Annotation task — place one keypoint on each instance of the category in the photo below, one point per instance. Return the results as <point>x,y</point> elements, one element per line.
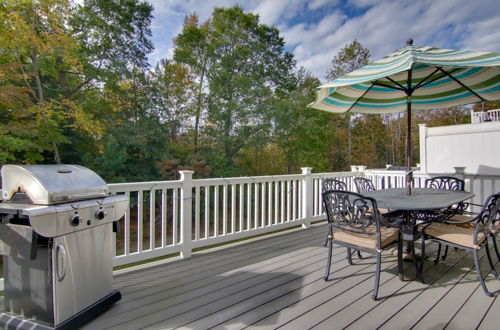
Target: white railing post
<point>422,132</point>
<point>307,197</point>
<point>186,215</point>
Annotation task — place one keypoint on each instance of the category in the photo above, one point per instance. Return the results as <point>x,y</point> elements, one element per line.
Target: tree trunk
<point>63,78</point>
<point>198,108</point>
<point>38,83</point>
<point>227,135</point>
<point>349,137</point>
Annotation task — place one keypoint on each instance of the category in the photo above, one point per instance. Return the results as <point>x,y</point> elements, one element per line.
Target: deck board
<point>277,282</point>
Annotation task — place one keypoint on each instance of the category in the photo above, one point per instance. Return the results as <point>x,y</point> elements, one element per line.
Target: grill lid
<point>52,184</point>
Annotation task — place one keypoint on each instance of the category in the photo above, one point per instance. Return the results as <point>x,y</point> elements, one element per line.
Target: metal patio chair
<point>334,184</point>
<point>364,184</point>
<point>355,223</point>
<point>448,183</point>
<point>471,238</point>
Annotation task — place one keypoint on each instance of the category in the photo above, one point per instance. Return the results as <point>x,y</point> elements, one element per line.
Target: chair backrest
<point>364,184</point>
<point>489,215</point>
<point>333,184</point>
<point>352,212</point>
<point>445,183</point>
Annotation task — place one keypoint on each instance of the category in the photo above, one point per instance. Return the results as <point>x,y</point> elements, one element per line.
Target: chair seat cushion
<point>455,234</point>
<point>388,235</point>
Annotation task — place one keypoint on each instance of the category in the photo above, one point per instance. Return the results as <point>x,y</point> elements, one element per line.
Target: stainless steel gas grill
<point>56,235</point>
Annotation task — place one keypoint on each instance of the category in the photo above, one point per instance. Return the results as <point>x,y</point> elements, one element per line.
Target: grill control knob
<point>101,214</point>
<point>75,220</point>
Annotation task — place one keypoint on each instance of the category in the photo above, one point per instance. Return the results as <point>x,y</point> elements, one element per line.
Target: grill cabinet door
<point>82,270</point>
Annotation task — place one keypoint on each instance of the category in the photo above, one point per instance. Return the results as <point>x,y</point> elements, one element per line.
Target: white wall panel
<point>474,146</point>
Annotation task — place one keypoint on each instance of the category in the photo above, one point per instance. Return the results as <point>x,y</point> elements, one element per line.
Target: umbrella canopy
<point>419,77</point>
<point>433,77</point>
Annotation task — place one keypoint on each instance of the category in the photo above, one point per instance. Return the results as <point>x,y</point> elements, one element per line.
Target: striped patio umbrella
<point>418,78</point>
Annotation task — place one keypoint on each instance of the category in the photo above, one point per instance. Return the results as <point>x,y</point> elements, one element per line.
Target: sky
<point>315,30</point>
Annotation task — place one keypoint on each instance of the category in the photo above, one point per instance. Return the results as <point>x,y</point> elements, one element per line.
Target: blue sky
<point>315,30</point>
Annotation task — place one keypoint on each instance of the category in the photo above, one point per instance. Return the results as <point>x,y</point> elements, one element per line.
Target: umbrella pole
<point>409,92</point>
<point>409,177</point>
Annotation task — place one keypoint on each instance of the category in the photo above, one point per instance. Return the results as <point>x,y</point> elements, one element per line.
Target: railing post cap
<point>306,170</point>
<point>186,174</point>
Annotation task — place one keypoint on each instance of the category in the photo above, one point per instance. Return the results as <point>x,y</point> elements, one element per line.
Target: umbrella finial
<point>409,42</point>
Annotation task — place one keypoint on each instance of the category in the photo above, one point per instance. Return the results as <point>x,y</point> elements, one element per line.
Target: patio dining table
<point>420,205</point>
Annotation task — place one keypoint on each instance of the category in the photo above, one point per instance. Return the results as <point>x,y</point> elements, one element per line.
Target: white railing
<point>485,116</point>
<point>168,217</point>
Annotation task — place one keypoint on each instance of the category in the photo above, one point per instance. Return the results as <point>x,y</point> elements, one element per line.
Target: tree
<point>37,44</point>
<point>60,57</point>
<point>301,133</point>
<point>351,57</point>
<point>192,49</point>
<point>244,66</point>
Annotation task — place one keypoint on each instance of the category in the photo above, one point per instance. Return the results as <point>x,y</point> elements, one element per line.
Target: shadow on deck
<point>277,282</point>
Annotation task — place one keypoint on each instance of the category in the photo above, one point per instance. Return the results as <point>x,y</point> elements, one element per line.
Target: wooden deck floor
<point>277,283</point>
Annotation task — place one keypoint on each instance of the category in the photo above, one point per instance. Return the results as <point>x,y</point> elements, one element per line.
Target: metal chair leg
<point>445,254</point>
<point>326,242</point>
<point>480,274</point>
<point>414,258</point>
<point>438,254</point>
<point>421,266</point>
<point>400,258</point>
<point>492,265</point>
<point>496,247</point>
<point>349,256</point>
<point>360,257</point>
<point>377,276</point>
<point>328,259</point>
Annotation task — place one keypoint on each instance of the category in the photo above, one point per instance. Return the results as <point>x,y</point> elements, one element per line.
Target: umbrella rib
<point>389,86</point>
<point>422,84</point>
<point>395,82</point>
<point>359,98</point>
<point>461,84</point>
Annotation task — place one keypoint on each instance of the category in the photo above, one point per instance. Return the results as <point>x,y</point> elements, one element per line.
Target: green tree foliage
<point>302,134</point>
<point>243,66</point>
<point>75,87</point>
<point>351,57</point>
<point>37,50</point>
<point>248,66</point>
<point>192,49</point>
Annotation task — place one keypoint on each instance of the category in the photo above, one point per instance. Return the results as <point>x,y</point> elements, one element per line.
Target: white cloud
<point>271,11</point>
<point>317,4</point>
<point>381,25</point>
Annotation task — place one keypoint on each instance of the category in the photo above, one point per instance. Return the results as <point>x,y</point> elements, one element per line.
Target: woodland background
<point>76,88</point>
